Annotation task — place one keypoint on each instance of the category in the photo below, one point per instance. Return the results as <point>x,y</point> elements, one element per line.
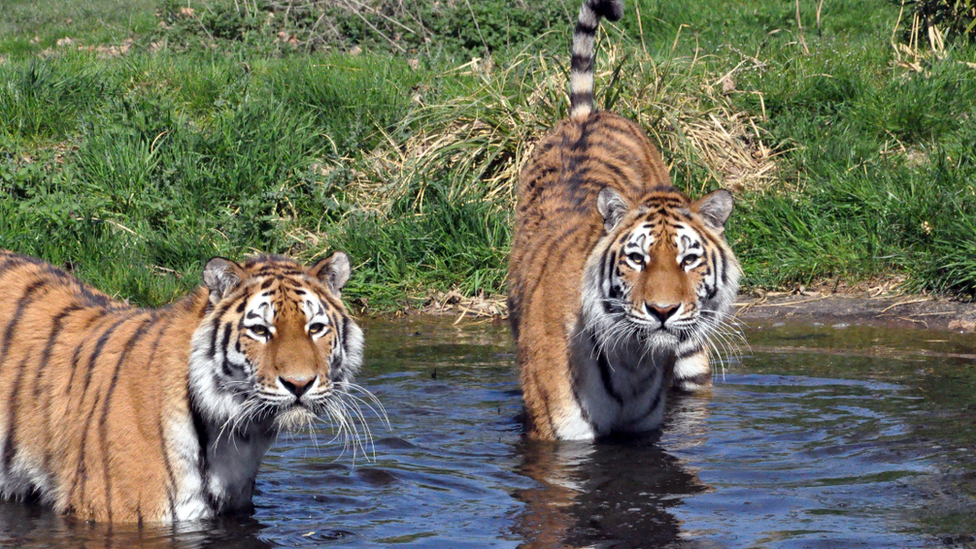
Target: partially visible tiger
<point>616,279</point>
<point>120,414</point>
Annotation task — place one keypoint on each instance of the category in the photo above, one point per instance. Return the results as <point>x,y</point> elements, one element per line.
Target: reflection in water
<point>30,525</point>
<point>618,493</point>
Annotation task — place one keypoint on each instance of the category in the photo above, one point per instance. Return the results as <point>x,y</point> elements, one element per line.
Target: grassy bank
<point>222,130</point>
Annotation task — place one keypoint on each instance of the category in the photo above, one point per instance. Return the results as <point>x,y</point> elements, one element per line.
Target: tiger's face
<point>278,347</point>
<point>663,271</point>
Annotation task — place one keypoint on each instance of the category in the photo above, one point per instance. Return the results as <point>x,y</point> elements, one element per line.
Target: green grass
<point>212,136</point>
<point>35,25</point>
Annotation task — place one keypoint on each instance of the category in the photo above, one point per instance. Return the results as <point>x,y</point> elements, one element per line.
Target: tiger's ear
<point>611,206</point>
<point>221,276</point>
<point>715,208</point>
<point>333,271</point>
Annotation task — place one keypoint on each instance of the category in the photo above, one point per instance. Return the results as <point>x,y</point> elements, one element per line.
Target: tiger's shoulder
<point>581,155</point>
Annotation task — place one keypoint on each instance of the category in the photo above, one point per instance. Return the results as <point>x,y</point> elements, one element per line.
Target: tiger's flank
<point>618,282</point>
<point>115,413</point>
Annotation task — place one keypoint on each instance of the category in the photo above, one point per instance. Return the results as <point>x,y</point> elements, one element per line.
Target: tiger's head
<point>662,272</point>
<point>276,347</point>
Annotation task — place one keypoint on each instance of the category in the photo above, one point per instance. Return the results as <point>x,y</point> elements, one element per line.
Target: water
<point>817,436</point>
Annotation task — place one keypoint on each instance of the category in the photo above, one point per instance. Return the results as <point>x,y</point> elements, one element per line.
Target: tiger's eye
<point>689,259</point>
<point>636,257</point>
<point>316,328</point>
<point>260,331</point>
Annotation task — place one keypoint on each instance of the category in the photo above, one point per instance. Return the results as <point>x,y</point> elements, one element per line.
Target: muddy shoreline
<point>915,311</point>
<point>859,307</point>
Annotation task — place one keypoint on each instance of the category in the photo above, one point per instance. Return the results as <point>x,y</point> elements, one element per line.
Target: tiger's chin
<point>294,417</point>
<point>660,339</point>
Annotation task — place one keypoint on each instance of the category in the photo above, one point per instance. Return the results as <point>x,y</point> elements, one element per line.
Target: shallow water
<point>816,436</point>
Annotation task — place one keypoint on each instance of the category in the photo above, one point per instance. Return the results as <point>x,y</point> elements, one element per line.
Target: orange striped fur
<point>617,280</point>
<point>121,414</point>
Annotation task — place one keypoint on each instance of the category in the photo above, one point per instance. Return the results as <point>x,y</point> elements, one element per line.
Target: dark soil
<point>925,312</point>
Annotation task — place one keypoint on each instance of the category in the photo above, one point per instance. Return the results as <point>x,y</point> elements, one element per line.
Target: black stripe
<point>613,292</point>
<point>12,261</point>
<point>343,340</point>
<point>99,345</point>
<point>546,251</point>
<point>162,435</point>
<point>8,443</point>
<point>714,289</point>
<point>214,331</point>
<point>106,406</point>
<point>332,301</point>
<point>203,468</point>
<point>698,379</point>
<point>76,356</point>
<point>169,470</point>
<point>581,64</point>
<point>56,328</point>
<point>607,259</point>
<point>574,385</point>
<point>82,469</point>
<point>686,354</point>
<point>545,403</point>
<point>278,271</point>
<point>583,28</point>
<point>227,368</point>
<point>81,474</point>
<point>25,299</point>
<point>615,169</point>
<point>12,400</point>
<point>606,377</point>
<point>576,98</point>
<point>657,398</point>
<point>721,255</point>
<point>225,340</point>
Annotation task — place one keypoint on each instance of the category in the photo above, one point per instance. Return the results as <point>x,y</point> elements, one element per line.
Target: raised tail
<point>581,66</point>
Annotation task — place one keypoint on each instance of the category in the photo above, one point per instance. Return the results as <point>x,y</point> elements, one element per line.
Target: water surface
<point>816,436</point>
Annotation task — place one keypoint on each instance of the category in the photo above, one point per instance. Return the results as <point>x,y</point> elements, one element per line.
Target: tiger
<point>617,281</point>
<point>119,414</point>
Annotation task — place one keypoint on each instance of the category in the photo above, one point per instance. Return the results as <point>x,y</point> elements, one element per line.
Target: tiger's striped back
<point>116,413</point>
<point>617,280</point>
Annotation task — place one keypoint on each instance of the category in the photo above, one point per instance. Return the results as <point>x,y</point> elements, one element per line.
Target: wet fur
<point>115,413</point>
<point>592,362</point>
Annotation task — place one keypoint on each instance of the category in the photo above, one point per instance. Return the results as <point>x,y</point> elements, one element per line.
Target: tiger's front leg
<point>692,371</point>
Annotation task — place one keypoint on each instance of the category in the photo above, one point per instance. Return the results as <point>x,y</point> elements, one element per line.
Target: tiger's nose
<point>297,387</point>
<point>661,312</point>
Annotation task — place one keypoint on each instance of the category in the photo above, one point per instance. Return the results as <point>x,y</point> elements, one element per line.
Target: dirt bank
<point>860,307</point>
<point>867,305</point>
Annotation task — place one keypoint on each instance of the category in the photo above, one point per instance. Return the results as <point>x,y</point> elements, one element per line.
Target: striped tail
<point>581,67</point>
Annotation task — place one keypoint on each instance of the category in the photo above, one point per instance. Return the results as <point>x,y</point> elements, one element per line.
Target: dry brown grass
<point>482,139</point>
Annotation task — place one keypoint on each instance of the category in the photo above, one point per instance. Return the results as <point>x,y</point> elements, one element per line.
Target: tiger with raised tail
<point>114,413</point>
<point>617,280</point>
